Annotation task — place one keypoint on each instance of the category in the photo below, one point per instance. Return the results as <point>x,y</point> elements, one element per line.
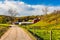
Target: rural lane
<point>16,33</point>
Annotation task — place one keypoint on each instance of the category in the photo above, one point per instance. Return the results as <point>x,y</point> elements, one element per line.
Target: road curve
<point>16,33</point>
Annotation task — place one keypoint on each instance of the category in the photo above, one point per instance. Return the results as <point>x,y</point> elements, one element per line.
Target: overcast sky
<point>28,7</point>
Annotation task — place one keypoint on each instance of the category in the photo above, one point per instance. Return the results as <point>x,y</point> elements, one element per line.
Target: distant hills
<point>49,21</point>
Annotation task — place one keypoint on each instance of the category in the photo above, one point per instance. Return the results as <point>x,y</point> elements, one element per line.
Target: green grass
<point>33,38</point>
<point>3,28</point>
<point>43,27</point>
<point>40,23</point>
<point>56,35</point>
<point>45,34</point>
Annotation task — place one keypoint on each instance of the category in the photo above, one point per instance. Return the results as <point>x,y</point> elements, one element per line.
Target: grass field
<point>47,23</point>
<point>44,30</point>
<point>3,28</point>
<point>45,34</point>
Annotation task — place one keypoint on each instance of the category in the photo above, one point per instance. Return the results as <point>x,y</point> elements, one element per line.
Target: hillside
<point>50,21</point>
<point>42,29</point>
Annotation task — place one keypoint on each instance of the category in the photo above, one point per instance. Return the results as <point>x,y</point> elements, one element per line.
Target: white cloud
<point>25,9</point>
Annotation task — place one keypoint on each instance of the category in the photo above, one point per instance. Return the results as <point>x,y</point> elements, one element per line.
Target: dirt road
<point>16,33</point>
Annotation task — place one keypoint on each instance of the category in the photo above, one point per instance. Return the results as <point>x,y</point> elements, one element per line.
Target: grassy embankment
<point>48,23</point>
<point>3,28</point>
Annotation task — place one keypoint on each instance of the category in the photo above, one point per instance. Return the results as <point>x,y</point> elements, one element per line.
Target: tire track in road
<point>23,35</point>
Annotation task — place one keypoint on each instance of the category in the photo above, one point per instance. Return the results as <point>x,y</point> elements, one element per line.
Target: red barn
<point>36,20</point>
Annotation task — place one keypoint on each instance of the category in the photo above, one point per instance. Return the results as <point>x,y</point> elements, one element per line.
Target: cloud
<point>25,9</point>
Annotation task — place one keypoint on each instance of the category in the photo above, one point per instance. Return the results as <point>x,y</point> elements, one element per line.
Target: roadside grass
<point>29,34</point>
<point>47,23</point>
<point>56,35</point>
<point>3,28</point>
<point>44,34</point>
<point>42,29</point>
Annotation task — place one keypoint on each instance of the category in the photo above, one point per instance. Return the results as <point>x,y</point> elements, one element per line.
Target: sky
<point>44,2</point>
<point>29,7</point>
<point>39,2</point>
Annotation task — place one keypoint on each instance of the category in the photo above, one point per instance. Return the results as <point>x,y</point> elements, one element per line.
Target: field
<point>44,27</point>
<point>3,28</point>
<point>44,31</point>
<point>45,34</point>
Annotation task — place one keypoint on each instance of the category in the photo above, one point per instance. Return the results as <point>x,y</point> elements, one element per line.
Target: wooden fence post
<point>51,35</point>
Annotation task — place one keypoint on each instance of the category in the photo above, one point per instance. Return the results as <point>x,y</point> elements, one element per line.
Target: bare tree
<point>13,13</point>
<point>45,10</point>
